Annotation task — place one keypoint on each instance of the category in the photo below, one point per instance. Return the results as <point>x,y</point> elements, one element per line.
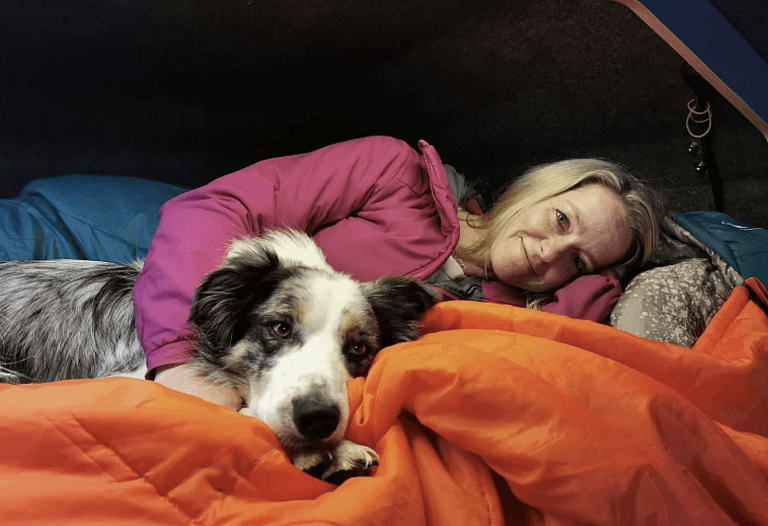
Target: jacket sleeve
<point>335,193</point>
<point>591,297</point>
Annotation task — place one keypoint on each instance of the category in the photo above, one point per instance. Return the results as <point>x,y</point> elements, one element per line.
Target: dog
<point>274,321</point>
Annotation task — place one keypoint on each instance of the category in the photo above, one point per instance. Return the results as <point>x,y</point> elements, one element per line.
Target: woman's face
<point>580,231</point>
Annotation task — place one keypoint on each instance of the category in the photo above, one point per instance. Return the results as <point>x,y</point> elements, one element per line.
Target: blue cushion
<point>100,218</point>
<point>743,246</point>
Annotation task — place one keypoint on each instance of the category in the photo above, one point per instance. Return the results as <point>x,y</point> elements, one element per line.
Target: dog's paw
<point>350,460</point>
<point>345,461</point>
<point>313,464</point>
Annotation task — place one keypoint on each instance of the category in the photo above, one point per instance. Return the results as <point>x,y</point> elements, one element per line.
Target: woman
<point>555,223</point>
<point>375,207</point>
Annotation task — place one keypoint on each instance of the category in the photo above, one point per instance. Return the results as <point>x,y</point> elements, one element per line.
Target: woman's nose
<point>547,250</point>
<point>551,248</point>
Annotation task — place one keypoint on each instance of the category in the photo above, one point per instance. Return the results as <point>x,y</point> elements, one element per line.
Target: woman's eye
<point>281,329</point>
<point>357,349</point>
<point>562,219</point>
<point>581,265</point>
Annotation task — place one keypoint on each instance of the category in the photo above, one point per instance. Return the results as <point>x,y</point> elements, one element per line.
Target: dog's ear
<point>399,302</point>
<point>223,300</point>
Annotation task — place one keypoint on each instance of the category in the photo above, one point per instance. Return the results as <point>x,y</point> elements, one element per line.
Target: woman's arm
<point>344,190</point>
<point>188,379</point>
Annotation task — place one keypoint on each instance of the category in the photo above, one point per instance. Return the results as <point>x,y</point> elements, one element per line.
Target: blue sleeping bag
<point>83,217</point>
<point>744,247</point>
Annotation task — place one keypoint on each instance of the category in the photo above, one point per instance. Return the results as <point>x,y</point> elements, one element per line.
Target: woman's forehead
<point>589,192</point>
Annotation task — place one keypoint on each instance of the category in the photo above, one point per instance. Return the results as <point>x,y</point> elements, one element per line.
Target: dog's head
<point>279,324</point>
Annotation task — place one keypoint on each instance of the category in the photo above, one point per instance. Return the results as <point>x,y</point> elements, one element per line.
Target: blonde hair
<point>643,206</point>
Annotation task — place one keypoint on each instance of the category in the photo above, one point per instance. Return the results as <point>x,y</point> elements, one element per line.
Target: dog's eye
<point>281,329</point>
<point>358,349</point>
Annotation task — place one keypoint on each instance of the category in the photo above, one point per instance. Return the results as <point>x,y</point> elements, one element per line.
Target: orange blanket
<point>498,416</point>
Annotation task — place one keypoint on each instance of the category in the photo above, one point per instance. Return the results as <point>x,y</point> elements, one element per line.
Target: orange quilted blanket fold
<point>498,415</point>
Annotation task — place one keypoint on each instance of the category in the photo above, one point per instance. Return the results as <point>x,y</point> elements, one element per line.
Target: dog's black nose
<point>315,420</point>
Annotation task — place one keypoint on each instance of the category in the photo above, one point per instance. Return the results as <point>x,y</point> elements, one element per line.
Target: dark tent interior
<point>187,91</point>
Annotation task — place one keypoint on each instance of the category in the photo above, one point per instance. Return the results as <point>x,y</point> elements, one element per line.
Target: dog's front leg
<point>345,461</point>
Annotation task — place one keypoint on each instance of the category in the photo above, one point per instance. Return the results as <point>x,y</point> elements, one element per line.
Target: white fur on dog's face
<point>276,322</point>
<point>329,320</point>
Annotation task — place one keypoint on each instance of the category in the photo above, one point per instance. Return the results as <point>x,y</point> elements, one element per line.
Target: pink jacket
<point>373,205</point>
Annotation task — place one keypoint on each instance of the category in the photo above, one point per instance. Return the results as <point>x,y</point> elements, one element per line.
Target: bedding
<point>744,247</point>
<point>100,218</point>
<point>498,415</point>
<point>678,292</point>
<point>673,303</point>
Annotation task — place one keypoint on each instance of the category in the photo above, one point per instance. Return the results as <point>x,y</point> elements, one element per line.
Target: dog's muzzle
<point>315,420</point>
